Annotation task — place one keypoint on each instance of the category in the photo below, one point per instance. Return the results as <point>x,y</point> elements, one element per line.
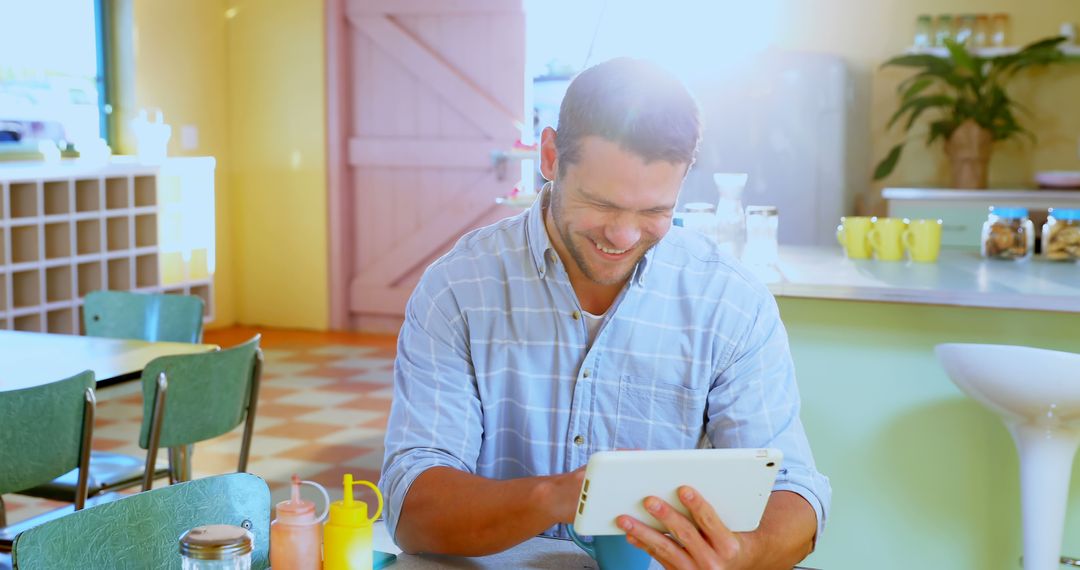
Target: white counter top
<point>959,278</point>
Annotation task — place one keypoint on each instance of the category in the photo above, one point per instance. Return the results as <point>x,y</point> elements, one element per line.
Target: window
<point>52,71</point>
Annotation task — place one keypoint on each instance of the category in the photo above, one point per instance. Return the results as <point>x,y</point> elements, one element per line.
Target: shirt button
<point>576,315</point>
<point>585,373</point>
<point>578,440</point>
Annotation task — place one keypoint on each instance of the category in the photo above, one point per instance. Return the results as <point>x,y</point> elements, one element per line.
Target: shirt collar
<point>540,243</point>
<point>536,233</point>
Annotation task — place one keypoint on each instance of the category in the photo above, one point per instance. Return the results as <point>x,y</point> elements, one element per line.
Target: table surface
<point>534,554</point>
<point>959,278</point>
<point>30,359</point>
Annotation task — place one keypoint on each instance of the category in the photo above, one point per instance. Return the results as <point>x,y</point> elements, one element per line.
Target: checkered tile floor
<point>322,413</point>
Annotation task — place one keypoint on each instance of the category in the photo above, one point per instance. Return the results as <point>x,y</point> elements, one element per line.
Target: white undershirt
<point>592,323</point>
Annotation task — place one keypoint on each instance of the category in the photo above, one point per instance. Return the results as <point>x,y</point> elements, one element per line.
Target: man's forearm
<point>786,533</point>
<point>448,511</point>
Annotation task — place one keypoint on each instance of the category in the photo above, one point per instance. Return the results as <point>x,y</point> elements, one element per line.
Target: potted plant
<point>971,109</point>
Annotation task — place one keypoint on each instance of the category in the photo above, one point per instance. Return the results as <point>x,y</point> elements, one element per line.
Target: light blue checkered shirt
<point>495,376</point>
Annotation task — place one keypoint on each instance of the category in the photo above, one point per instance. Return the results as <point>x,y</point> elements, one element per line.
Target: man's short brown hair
<point>633,103</point>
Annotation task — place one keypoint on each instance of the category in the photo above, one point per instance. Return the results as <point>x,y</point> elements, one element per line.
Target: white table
<point>534,554</point>
<point>30,359</point>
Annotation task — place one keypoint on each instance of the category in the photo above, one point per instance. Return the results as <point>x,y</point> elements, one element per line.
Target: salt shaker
<point>216,547</point>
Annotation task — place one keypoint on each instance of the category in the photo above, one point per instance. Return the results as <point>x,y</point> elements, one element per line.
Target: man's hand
<point>783,538</point>
<point>702,541</point>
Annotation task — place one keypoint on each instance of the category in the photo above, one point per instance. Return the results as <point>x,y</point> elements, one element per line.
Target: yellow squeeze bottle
<point>348,534</point>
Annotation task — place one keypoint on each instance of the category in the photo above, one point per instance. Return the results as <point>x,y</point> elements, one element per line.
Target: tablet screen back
<point>737,482</point>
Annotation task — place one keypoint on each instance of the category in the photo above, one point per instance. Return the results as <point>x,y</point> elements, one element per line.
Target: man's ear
<point>549,157</point>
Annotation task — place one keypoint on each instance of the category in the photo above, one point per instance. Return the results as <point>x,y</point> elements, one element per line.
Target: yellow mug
<point>884,239</point>
<point>851,233</point>
<point>922,239</point>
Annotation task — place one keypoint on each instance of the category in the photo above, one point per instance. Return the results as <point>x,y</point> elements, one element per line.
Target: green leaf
<point>916,60</point>
<point>920,104</point>
<point>886,166</point>
<point>917,88</point>
<point>1042,52</point>
<point>932,66</point>
<point>1045,44</point>
<point>961,57</point>
<point>940,129</point>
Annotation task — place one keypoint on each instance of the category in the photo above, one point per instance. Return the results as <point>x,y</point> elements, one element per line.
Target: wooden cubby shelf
<point>69,229</point>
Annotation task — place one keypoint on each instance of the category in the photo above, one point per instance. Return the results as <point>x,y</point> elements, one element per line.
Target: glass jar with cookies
<point>1008,234</point>
<point>1061,235</point>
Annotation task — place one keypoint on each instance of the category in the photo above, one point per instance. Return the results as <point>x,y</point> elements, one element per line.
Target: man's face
<point>610,207</point>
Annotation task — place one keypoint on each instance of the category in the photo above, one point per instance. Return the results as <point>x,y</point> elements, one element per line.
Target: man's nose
<point>623,232</point>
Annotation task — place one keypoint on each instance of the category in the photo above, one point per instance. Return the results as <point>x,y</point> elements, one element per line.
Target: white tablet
<point>736,482</point>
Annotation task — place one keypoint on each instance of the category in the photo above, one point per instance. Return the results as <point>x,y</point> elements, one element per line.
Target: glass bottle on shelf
<point>1008,234</point>
<point>980,37</point>
<point>923,31</point>
<point>999,30</point>
<point>965,28</point>
<point>943,29</point>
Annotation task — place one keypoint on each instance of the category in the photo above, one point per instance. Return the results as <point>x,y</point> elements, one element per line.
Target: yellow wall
<point>169,55</point>
<point>867,33</point>
<point>277,123</point>
<point>250,76</point>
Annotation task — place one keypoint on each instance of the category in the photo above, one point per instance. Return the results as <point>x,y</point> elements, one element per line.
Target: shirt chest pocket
<point>654,414</point>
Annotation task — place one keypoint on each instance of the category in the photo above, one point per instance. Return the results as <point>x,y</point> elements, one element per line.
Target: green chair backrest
<point>143,316</point>
<point>207,394</point>
<point>41,431</point>
<point>143,530</point>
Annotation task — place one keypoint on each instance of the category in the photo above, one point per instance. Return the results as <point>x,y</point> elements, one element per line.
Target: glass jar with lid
<point>924,36</point>
<point>1008,234</point>
<point>1061,234</point>
<point>965,29</point>
<point>943,29</point>
<point>216,547</point>
<point>762,223</point>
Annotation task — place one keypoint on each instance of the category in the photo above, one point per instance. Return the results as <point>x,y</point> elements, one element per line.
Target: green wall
<point>922,476</point>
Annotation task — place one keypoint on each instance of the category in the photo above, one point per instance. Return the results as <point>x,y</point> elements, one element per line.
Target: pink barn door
<point>420,94</point>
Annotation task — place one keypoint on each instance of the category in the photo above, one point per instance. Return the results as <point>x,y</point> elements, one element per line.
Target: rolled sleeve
<point>435,416</point>
<point>754,403</point>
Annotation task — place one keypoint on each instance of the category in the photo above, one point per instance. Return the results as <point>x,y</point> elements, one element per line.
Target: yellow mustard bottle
<point>347,538</point>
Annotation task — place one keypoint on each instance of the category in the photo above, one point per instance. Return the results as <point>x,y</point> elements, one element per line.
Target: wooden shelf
<point>1070,51</point>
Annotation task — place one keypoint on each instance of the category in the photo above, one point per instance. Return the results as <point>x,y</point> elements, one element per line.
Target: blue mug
<point>612,552</point>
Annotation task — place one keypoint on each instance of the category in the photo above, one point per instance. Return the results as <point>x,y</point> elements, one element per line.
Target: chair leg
<point>249,421</point>
<point>89,409</point>
<point>157,415</point>
<point>3,513</point>
<point>180,463</point>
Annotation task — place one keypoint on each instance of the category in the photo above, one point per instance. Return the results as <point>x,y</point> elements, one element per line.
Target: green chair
<point>186,399</point>
<point>196,397</point>
<point>143,530</point>
<point>140,316</point>
<point>143,316</point>
<point>44,431</point>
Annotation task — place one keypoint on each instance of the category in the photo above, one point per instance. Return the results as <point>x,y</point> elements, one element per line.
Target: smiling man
<point>589,323</point>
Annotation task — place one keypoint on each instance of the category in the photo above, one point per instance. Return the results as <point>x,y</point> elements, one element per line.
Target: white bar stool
<point>1037,394</point>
